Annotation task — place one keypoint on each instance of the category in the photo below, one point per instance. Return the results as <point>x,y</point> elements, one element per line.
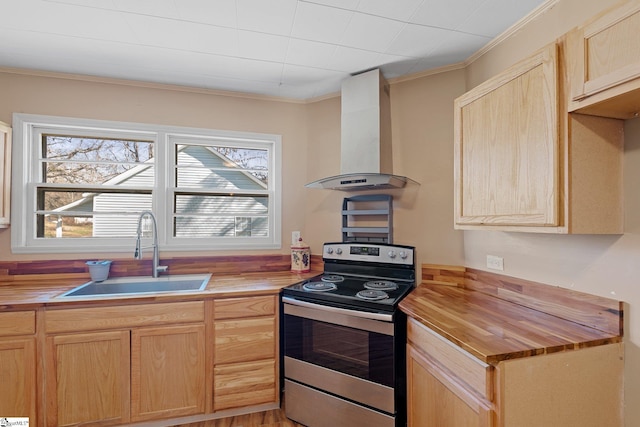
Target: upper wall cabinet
<point>603,58</point>
<point>5,174</point>
<point>506,147</point>
<point>523,163</point>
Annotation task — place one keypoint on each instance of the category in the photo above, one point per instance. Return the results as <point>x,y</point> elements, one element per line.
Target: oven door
<point>341,352</point>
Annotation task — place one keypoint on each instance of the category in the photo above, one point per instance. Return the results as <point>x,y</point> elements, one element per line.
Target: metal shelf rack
<point>371,222</point>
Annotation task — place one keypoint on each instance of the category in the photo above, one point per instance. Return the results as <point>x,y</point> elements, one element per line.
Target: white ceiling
<point>287,48</point>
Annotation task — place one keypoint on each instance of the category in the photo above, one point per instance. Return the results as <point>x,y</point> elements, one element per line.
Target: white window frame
<point>26,175</point>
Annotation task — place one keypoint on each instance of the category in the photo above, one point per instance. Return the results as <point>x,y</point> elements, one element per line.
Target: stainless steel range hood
<point>365,158</point>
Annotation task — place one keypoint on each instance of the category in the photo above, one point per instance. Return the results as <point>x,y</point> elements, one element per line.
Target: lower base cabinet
<point>167,372</point>
<point>576,388</point>
<point>117,365</point>
<point>148,368</point>
<point>436,399</point>
<point>449,387</point>
<point>88,378</point>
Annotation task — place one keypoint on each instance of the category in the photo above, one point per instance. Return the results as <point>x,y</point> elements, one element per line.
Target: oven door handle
<point>385,317</point>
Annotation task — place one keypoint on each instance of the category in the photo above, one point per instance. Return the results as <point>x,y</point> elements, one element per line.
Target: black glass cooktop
<point>372,294</point>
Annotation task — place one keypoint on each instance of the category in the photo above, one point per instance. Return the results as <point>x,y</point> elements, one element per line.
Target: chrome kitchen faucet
<point>156,268</point>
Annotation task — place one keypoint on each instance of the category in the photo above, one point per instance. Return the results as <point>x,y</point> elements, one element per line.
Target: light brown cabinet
<point>18,365</point>
<point>5,174</point>
<point>507,147</point>
<point>120,364</point>
<point>88,377</point>
<point>246,369</point>
<point>167,371</point>
<point>447,386</point>
<point>523,163</point>
<point>604,64</point>
<point>113,365</point>
<point>438,400</point>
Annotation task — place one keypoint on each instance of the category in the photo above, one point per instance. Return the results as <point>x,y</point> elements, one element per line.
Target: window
<point>84,184</point>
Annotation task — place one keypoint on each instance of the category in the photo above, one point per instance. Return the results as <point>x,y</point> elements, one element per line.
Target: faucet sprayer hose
<point>156,268</point>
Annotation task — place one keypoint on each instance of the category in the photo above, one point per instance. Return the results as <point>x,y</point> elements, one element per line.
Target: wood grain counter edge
<point>496,317</point>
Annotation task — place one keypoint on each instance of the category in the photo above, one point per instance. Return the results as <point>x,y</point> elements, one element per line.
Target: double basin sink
<point>138,285</point>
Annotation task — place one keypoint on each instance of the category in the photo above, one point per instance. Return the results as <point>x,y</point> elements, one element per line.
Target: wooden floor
<point>274,418</point>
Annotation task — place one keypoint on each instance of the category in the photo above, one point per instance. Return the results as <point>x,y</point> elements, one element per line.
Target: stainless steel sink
<point>141,285</point>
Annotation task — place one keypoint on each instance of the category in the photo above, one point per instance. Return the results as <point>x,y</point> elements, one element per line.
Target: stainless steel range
<point>344,338</point>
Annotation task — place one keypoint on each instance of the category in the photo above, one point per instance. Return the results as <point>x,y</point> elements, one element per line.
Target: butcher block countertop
<point>30,291</point>
<point>497,317</point>
<point>32,294</point>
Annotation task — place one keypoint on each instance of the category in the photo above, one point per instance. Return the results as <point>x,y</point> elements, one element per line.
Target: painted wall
<point>110,100</point>
<point>422,149</point>
<point>603,265</point>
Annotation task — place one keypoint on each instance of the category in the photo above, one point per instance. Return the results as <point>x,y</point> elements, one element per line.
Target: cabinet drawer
<point>244,307</point>
<point>123,316</point>
<point>244,340</point>
<point>244,384</point>
<point>460,364</point>
<point>17,323</point>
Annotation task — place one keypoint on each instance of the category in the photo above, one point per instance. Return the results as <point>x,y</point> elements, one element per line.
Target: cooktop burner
<point>319,286</point>
<point>372,295</point>
<point>332,278</point>
<point>381,285</point>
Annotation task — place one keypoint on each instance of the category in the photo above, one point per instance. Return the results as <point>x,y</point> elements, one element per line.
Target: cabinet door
<point>506,147</point>
<point>87,379</point>
<point>18,373</point>
<point>5,174</point>
<point>607,52</point>
<point>168,372</point>
<point>435,399</point>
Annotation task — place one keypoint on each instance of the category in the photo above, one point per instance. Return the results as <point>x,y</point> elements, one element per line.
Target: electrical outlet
<point>495,262</point>
<point>295,236</point>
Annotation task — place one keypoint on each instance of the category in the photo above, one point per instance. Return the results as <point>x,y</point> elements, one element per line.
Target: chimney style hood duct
<point>366,160</point>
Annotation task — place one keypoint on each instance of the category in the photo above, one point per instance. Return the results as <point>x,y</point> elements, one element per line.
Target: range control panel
<point>369,252</point>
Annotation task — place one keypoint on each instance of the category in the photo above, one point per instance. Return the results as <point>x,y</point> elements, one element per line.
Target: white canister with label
<point>300,257</point>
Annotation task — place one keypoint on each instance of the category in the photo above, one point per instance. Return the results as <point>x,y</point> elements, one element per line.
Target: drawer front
<point>244,384</point>
<point>460,364</point>
<point>244,340</point>
<point>244,307</point>
<point>123,316</point>
<point>17,323</point>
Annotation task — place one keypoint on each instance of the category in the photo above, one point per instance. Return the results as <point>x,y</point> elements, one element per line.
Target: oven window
<point>363,354</point>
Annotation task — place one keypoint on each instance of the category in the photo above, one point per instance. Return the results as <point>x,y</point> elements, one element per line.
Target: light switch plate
<point>295,236</point>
